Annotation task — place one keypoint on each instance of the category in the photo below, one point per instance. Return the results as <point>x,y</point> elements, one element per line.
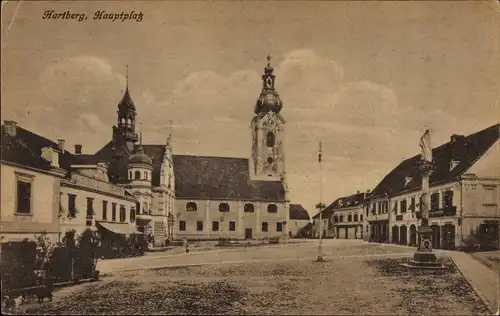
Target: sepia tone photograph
<point>250,157</point>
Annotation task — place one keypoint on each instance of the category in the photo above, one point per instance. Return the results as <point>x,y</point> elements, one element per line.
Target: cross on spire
<point>268,60</point>
<point>140,137</point>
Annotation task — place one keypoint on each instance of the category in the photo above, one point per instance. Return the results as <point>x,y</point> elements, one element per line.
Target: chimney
<point>78,149</point>
<point>60,145</point>
<point>10,128</point>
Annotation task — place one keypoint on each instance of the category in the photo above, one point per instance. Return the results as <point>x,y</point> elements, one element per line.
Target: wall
<point>294,225</point>
<point>354,228</point>
<point>84,188</point>
<point>44,190</point>
<point>208,211</point>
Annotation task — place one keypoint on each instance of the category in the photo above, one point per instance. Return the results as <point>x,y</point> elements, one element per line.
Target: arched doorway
<point>413,235</point>
<point>403,235</point>
<point>395,234</point>
<point>289,234</point>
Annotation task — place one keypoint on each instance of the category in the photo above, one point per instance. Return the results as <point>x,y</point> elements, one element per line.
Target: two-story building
<point>54,191</point>
<point>464,188</point>
<point>347,216</point>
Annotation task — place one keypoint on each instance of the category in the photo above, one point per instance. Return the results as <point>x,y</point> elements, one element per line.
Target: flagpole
<point>320,205</point>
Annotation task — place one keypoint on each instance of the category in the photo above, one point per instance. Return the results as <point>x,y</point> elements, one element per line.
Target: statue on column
<point>426,148</point>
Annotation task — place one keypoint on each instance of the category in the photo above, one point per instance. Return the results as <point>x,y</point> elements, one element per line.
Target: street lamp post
<point>320,206</point>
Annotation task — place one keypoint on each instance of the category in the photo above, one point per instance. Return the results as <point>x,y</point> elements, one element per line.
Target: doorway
<point>449,236</point>
<point>488,235</point>
<point>413,235</point>
<point>248,233</point>
<point>436,236</point>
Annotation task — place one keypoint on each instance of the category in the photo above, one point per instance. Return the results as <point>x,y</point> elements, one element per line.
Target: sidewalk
<point>485,281</point>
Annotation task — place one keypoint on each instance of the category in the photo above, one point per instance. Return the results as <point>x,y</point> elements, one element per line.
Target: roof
<point>467,150</point>
<point>204,177</point>
<point>26,149</point>
<point>348,201</point>
<point>126,103</point>
<point>297,212</point>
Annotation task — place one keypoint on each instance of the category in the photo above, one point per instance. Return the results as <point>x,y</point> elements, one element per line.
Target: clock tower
<point>268,128</point>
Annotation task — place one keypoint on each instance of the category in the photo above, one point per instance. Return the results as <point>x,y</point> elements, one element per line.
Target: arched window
<point>130,175</point>
<point>248,208</point>
<point>349,218</point>
<point>145,175</point>
<point>272,208</point>
<point>191,207</point>
<point>137,175</point>
<point>223,207</point>
<point>355,217</point>
<point>270,139</point>
<point>132,215</point>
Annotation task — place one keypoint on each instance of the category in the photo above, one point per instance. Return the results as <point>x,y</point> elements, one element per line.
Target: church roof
<point>25,149</point>
<point>298,212</point>
<point>203,177</point>
<point>464,149</point>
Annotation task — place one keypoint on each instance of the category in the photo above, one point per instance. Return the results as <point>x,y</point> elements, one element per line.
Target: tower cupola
<point>269,99</point>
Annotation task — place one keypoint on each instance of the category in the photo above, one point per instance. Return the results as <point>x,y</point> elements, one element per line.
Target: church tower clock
<point>268,128</point>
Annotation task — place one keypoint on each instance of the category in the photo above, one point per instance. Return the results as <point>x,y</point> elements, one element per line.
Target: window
<point>341,218</point>
<point>264,226</point>
<point>403,206</point>
<point>232,226</point>
<point>132,215</point>
<point>279,226</point>
<point>355,217</point>
<point>182,225</point>
<point>23,195</point>
<point>412,204</point>
<point>130,175</point>
<point>199,226</point>
<point>123,213</point>
<point>447,199</point>
<point>215,226</point>
<point>72,205</point>
<point>361,217</point>
<point>272,208</point>
<point>223,207</point>
<point>169,181</point>
<point>335,219</point>
<point>349,218</point>
<point>104,210</point>
<point>379,207</point>
<point>395,207</point>
<point>270,139</point>
<point>248,208</point>
<point>137,175</point>
<point>386,206</point>
<point>113,211</point>
<point>191,207</point>
<point>435,201</point>
<point>145,175</point>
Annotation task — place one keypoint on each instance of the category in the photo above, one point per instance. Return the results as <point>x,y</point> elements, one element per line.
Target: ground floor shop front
<point>348,231</point>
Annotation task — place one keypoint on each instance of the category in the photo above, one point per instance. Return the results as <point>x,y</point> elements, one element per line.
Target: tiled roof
<point>467,150</point>
<point>26,149</point>
<point>202,177</point>
<point>298,212</point>
<point>156,153</point>
<point>349,201</point>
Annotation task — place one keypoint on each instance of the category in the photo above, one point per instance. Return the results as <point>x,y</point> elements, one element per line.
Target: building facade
<point>465,195</point>
<point>347,219</point>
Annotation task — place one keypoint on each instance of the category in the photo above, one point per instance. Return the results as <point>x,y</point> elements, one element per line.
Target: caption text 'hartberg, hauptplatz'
<point>98,15</point>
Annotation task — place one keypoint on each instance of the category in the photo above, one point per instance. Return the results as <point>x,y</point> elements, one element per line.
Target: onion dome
<point>139,157</point>
<point>269,99</point>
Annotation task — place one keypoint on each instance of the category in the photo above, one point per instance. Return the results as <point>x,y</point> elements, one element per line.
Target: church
<point>202,197</point>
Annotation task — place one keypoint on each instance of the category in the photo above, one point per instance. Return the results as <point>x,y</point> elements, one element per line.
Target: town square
<point>268,158</point>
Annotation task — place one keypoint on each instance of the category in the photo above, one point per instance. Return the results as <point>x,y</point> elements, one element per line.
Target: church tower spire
<point>268,156</point>
<point>124,135</point>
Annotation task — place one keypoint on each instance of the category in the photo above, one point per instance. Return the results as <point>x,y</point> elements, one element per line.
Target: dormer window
<point>453,164</point>
<point>408,180</point>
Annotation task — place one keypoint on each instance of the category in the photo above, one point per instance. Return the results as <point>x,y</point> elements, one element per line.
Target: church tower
<point>268,129</point>
<point>124,135</point>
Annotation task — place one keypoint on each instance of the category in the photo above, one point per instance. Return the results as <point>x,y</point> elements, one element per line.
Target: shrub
<point>274,240</point>
<point>223,241</point>
<point>18,263</point>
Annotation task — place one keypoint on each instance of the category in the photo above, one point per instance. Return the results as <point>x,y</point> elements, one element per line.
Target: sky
<point>364,78</point>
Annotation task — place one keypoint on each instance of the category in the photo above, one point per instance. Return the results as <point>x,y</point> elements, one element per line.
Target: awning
<point>119,228</point>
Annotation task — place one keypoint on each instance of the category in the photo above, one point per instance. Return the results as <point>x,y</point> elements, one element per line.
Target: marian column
<point>424,255</point>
